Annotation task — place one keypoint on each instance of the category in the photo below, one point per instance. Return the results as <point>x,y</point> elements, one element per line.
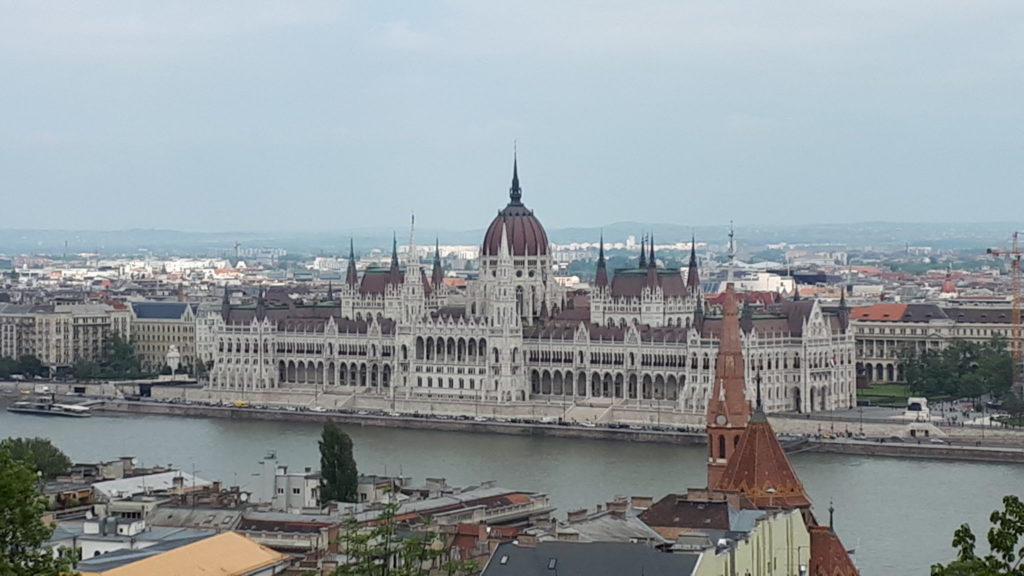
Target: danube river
<point>899,514</point>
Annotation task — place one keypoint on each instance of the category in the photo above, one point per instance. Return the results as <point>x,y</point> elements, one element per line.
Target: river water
<point>899,514</point>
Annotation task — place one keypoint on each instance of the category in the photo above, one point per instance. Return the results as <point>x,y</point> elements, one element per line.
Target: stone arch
<point>535,382</point>
<point>545,383</point>
<point>557,387</point>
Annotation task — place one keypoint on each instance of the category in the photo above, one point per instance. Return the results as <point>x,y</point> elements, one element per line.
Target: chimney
<point>527,540</point>
<point>577,515</point>
<point>642,501</point>
<point>618,507</point>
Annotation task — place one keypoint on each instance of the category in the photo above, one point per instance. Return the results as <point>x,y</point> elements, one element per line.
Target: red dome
<point>526,237</point>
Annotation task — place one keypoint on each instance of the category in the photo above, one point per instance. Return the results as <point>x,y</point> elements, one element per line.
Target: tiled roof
<point>630,282</point>
<point>160,310</point>
<point>590,558</point>
<point>761,471</point>
<point>828,555</point>
<point>227,554</point>
<point>879,312</point>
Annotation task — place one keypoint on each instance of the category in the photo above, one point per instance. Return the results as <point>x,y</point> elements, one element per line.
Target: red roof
<point>828,555</point>
<point>880,312</point>
<point>760,470</point>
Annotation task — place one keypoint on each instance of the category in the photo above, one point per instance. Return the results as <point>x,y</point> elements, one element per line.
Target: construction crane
<point>1014,253</point>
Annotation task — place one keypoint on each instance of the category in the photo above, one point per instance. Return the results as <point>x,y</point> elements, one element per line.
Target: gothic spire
<point>437,274</point>
<point>330,291</point>
<point>225,305</point>
<point>515,193</point>
<point>652,262</point>
<point>350,274</point>
<point>394,251</point>
<point>747,315</point>
<point>692,274</point>
<point>602,270</point>
<point>643,251</point>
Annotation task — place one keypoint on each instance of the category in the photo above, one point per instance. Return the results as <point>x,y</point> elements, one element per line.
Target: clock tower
<point>728,409</point>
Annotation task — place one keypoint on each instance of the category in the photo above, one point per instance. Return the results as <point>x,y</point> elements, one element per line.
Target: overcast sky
<point>246,115</point>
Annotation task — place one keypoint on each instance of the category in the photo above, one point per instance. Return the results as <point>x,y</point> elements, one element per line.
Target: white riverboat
<point>45,406</point>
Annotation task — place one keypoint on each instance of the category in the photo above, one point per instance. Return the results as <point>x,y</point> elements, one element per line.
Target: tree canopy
<point>963,370</point>
<point>1004,541</point>
<point>38,454</point>
<point>26,365</point>
<point>22,530</point>
<point>381,550</point>
<point>118,362</point>
<point>339,479</point>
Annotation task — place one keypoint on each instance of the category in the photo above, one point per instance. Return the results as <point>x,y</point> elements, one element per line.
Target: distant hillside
<point>878,235</point>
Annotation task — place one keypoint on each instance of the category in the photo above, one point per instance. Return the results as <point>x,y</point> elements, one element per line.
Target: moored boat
<point>44,405</point>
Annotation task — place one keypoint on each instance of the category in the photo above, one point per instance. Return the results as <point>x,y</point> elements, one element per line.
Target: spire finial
<point>515,193</point>
<point>351,249</point>
<point>831,513</point>
<point>600,249</point>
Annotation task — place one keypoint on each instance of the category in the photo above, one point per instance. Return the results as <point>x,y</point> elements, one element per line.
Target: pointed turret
<point>747,316</point>
<point>643,251</point>
<point>602,268</point>
<point>515,193</point>
<point>261,304</point>
<point>692,274</point>
<point>225,304</point>
<point>396,273</point>
<point>330,291</point>
<point>728,409</point>
<point>652,267</point>
<point>698,315</point>
<point>844,312</point>
<point>351,278</point>
<point>796,291</point>
<point>437,273</point>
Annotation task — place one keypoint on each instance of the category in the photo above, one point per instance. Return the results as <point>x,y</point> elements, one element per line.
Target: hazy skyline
<point>335,115</point>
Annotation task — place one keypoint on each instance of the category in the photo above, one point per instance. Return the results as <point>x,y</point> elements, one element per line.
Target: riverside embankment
<point>888,447</point>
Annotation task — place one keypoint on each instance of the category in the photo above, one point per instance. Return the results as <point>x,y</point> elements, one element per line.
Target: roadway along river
<point>899,514</point>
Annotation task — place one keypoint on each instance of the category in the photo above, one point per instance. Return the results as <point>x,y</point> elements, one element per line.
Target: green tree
<point>38,454</point>
<point>339,478</point>
<point>31,366</point>
<point>22,530</point>
<point>380,549</point>
<point>1004,540</point>
<point>962,369</point>
<point>8,366</point>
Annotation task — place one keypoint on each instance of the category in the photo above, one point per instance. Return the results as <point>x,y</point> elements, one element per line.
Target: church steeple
<point>602,269</point>
<point>515,193</point>
<point>728,409</point>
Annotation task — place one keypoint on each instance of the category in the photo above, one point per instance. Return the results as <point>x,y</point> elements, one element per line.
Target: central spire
<point>515,193</point>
